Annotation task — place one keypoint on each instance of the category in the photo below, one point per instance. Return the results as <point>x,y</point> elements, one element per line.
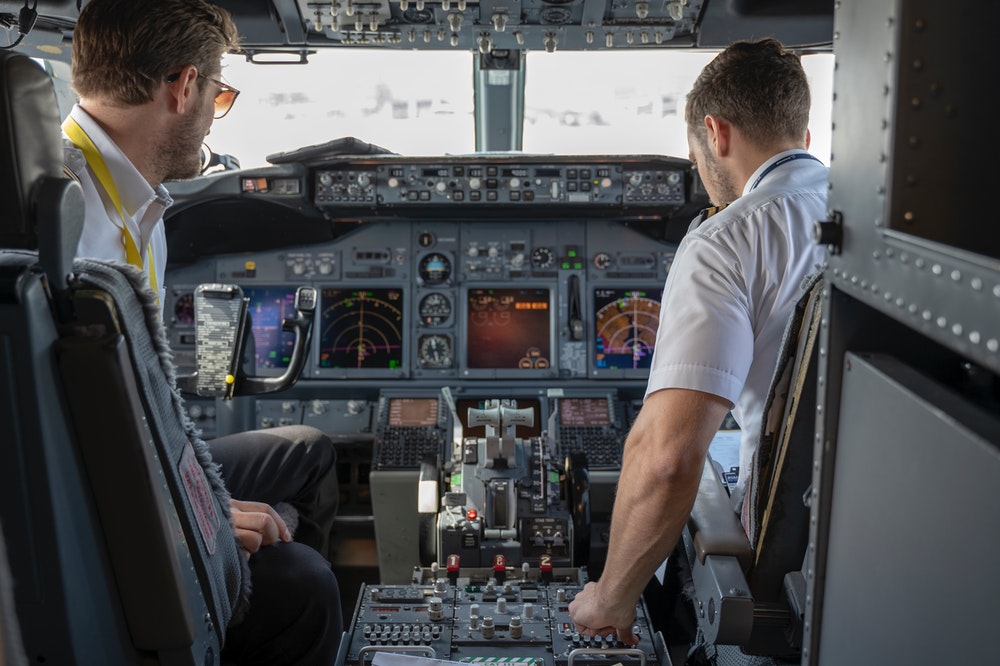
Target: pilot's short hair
<point>124,49</point>
<point>759,87</point>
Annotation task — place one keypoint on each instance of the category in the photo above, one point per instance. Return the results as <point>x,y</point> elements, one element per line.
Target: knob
<point>499,22</point>
<point>561,595</point>
<point>830,232</point>
<point>515,627</point>
<point>529,610</point>
<point>455,21</point>
<point>501,606</point>
<point>488,627</point>
<point>550,42</point>
<point>364,180</point>
<point>475,183</point>
<point>435,609</point>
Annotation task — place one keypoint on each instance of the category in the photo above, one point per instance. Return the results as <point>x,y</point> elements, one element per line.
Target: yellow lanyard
<point>100,169</point>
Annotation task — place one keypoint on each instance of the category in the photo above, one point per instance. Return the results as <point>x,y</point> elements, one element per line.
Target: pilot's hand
<point>257,524</point>
<point>594,616</point>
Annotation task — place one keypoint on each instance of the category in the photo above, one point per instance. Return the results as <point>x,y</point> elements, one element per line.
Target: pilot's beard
<point>179,155</point>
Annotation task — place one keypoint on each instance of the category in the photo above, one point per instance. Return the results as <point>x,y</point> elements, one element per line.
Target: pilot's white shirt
<point>143,205</point>
<point>732,288</point>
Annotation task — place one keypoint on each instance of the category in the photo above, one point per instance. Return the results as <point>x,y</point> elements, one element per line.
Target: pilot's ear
<point>182,89</point>
<point>719,135</point>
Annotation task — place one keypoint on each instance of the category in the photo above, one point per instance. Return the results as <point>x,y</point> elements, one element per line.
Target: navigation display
<point>626,321</point>
<point>268,308</point>
<point>584,412</point>
<point>509,329</point>
<point>413,412</point>
<point>361,329</point>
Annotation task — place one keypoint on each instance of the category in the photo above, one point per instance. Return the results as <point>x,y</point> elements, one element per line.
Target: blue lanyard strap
<point>783,160</point>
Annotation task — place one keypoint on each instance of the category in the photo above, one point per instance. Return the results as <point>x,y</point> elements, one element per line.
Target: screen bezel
<point>362,373</point>
<point>507,373</point>
<point>615,373</point>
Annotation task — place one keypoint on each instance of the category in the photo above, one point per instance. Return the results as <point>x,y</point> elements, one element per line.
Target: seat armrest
<point>714,526</point>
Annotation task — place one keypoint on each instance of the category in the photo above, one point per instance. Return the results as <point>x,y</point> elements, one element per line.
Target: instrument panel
<point>466,300</point>
<point>524,272</point>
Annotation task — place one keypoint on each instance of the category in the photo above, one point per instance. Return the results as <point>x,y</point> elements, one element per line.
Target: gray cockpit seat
<point>116,522</point>
<point>747,584</point>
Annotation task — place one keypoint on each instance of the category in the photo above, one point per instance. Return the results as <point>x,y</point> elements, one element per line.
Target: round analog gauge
<point>434,268</point>
<point>184,309</point>
<point>542,257</point>
<point>435,309</point>
<point>602,260</point>
<point>434,351</point>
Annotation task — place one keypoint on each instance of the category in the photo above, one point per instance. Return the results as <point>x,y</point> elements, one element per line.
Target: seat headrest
<point>30,145</point>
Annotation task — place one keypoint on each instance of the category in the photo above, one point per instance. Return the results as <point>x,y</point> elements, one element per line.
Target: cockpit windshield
<point>589,102</point>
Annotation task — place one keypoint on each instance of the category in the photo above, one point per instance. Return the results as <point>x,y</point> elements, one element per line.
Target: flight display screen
<point>509,328</point>
<point>584,412</point>
<point>413,412</point>
<point>268,309</point>
<point>462,405</point>
<point>626,322</point>
<point>361,329</point>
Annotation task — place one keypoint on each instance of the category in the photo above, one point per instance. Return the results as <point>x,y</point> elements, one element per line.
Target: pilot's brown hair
<point>124,49</point>
<point>759,87</point>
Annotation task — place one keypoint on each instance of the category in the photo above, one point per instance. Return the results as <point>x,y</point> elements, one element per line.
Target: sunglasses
<point>225,98</point>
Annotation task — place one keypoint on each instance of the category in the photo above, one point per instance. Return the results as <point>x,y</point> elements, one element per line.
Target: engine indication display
<point>626,321</point>
<point>361,329</point>
<point>509,329</point>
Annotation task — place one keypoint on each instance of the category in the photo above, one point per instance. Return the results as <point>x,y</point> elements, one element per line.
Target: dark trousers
<point>295,613</point>
<point>293,464</point>
<point>294,617</point>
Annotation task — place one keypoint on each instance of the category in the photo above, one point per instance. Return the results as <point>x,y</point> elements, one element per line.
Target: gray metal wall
<point>901,566</point>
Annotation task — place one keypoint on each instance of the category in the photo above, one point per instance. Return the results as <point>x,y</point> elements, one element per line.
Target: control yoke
<point>222,324</point>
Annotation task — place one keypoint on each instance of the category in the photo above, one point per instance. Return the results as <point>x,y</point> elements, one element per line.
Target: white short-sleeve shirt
<point>731,290</point>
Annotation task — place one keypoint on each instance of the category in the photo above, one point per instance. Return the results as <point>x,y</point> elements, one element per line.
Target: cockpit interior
<point>474,331</point>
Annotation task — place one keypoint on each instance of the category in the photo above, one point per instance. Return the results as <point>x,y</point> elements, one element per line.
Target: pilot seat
<point>743,578</point>
<point>116,522</point>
